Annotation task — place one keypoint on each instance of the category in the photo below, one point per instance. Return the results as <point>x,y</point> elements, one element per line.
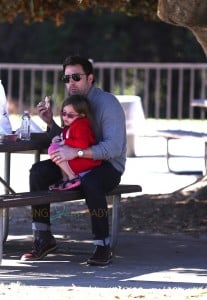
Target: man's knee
<point>36,167</point>
<point>43,167</point>
<point>42,174</point>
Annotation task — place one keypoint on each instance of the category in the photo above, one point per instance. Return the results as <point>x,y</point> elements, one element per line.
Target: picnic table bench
<point>44,197</point>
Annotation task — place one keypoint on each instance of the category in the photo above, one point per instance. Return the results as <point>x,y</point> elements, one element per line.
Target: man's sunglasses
<point>75,77</point>
<point>69,115</point>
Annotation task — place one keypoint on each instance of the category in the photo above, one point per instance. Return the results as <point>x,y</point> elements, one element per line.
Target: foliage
<point>41,10</point>
<point>129,33</point>
<point>121,38</point>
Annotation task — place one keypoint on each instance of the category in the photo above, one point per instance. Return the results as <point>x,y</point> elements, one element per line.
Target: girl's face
<point>69,115</point>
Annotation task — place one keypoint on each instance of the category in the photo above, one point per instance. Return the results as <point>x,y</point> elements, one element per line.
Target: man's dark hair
<point>79,60</point>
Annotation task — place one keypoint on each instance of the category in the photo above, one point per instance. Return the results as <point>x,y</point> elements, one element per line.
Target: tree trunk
<point>190,14</point>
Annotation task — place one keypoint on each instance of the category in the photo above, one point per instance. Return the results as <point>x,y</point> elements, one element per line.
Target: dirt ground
<point>184,211</point>
<point>164,214</point>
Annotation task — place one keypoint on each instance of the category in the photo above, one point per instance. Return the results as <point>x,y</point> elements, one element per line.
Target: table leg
<point>1,234</point>
<point>5,223</point>
<point>7,190</point>
<point>115,220</point>
<point>37,156</point>
<point>7,171</point>
<point>205,156</point>
<point>5,184</point>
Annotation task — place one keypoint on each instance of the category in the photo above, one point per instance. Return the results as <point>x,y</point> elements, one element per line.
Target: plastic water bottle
<point>25,126</point>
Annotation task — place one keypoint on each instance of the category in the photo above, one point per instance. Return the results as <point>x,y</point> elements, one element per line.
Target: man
<point>110,133</point>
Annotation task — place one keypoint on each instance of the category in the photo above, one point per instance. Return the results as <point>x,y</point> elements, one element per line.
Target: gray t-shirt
<point>109,127</point>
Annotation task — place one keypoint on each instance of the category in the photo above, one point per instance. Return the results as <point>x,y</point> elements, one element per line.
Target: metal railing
<point>166,89</point>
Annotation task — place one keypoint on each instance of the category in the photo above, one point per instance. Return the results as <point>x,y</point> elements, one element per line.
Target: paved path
<point>147,261</point>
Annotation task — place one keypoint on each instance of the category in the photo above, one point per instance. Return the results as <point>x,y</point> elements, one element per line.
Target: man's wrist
<point>80,153</point>
<point>50,124</point>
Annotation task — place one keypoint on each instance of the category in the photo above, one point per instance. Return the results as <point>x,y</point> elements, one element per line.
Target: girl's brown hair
<point>80,104</point>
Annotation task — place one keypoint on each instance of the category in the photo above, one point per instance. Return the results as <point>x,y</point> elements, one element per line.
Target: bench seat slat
<point>44,197</point>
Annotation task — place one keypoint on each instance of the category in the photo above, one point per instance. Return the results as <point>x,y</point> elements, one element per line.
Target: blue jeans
<point>95,184</point>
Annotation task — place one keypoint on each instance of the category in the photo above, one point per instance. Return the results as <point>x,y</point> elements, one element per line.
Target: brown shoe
<point>41,247</point>
<point>101,257</point>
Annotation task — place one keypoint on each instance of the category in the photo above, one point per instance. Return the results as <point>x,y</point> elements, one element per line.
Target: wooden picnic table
<point>36,145</point>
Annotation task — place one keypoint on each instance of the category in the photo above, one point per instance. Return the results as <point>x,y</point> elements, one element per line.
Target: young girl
<point>77,132</point>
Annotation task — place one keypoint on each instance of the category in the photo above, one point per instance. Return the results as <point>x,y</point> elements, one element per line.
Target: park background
<point>100,35</point>
<point>105,37</point>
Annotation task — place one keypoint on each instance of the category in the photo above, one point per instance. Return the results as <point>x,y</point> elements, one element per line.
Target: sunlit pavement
<point>140,260</point>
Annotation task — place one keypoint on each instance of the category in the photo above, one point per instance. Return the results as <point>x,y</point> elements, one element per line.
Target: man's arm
<point>46,114</point>
<point>53,130</point>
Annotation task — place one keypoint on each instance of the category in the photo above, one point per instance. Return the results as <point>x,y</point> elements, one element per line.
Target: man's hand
<point>45,113</point>
<point>64,153</point>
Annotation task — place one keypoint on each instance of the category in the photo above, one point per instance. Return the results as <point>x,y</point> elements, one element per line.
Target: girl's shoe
<point>56,186</point>
<point>70,184</point>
